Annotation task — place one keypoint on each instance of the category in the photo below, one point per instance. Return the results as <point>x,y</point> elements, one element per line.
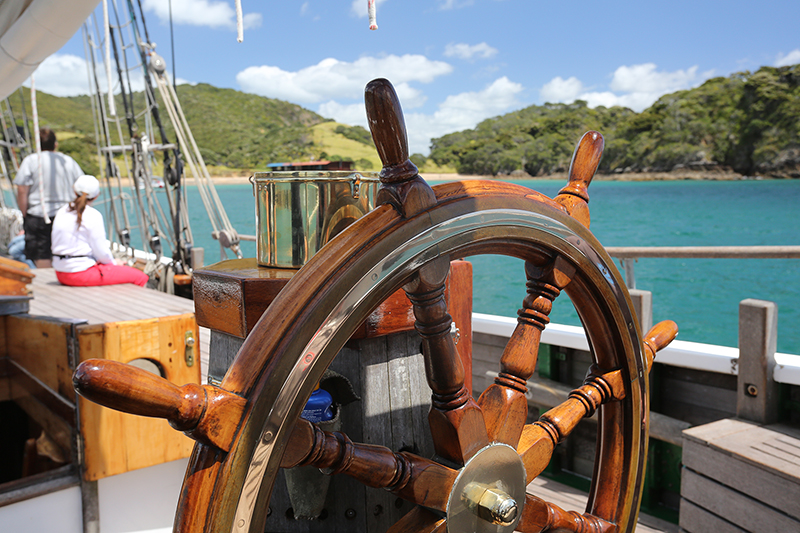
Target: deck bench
<point>740,476</point>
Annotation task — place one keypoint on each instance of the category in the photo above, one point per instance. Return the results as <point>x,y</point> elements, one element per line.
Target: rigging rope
<point>101,159</point>
<point>38,148</point>
<point>149,211</point>
<point>112,108</point>
<point>373,22</point>
<point>111,170</point>
<point>10,144</point>
<point>239,22</point>
<point>220,222</point>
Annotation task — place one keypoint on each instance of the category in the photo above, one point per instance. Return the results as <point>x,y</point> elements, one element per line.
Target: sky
<point>453,63</point>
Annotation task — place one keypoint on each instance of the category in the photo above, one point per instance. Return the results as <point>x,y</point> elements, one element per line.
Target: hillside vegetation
<point>748,123</point>
<point>233,130</point>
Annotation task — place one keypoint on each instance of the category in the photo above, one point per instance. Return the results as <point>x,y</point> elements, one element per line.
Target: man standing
<point>58,173</point>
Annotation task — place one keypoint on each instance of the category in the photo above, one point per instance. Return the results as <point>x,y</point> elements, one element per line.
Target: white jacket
<point>80,247</point>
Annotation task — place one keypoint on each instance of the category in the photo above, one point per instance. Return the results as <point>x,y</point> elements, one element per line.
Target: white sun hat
<point>87,184</point>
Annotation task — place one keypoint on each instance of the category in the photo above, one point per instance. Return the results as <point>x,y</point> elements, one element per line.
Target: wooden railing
<point>759,369</point>
<point>629,254</point>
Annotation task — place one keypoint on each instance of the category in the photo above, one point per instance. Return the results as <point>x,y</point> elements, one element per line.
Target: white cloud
<point>331,78</point>
<point>461,111</point>
<point>457,112</point>
<point>359,7</point>
<point>560,90</point>
<point>353,114</point>
<point>645,78</point>
<point>210,13</point>
<point>636,87</point>
<point>67,75</point>
<point>465,51</point>
<point>792,58</point>
<point>446,5</point>
<point>64,75</point>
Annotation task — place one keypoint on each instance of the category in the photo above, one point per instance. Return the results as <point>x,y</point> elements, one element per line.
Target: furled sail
<point>31,30</point>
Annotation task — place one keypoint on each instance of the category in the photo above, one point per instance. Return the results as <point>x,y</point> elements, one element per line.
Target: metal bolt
<point>350,514</point>
<point>490,504</point>
<point>377,510</point>
<point>751,390</point>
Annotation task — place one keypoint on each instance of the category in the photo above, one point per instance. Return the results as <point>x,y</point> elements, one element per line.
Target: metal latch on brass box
<point>189,348</point>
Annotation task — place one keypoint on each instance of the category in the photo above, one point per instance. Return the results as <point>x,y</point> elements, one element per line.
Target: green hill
<point>748,122</point>
<point>233,130</point>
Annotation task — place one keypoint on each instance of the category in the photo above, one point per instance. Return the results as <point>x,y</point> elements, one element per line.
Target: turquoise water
<point>701,295</point>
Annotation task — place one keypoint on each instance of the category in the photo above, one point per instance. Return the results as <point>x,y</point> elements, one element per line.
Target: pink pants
<point>101,274</point>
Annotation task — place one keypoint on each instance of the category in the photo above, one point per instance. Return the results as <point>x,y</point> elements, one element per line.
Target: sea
<point>701,295</point>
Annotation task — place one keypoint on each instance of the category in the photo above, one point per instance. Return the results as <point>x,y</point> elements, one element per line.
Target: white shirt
<point>87,240</point>
<point>59,172</point>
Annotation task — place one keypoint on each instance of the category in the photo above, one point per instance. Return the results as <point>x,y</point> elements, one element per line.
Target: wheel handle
<point>205,413</point>
<point>402,185</point>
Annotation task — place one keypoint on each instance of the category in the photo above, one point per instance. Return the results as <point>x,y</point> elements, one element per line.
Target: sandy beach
<point>627,176</point>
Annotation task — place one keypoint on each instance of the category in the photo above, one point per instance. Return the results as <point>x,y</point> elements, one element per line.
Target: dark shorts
<point>37,238</point>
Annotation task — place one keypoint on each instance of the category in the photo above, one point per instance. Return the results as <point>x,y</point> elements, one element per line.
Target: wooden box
<point>116,442</point>
<point>40,355</point>
<point>740,476</point>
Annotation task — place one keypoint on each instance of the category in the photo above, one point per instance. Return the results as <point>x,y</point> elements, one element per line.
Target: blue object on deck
<point>318,408</point>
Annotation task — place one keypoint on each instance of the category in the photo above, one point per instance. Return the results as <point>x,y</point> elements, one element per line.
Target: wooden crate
<point>740,476</point>
<point>41,353</point>
<point>116,442</point>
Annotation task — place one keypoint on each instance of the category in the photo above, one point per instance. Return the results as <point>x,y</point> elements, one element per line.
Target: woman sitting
<point>81,255</point>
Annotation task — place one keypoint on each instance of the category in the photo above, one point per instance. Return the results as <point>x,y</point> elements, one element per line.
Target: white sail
<point>30,31</point>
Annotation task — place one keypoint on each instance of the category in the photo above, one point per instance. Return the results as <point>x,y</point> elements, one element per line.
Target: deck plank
<point>734,506</point>
<point>575,500</point>
<point>99,305</point>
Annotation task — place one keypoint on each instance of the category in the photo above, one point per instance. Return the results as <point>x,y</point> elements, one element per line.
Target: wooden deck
<point>112,303</point>
<point>575,500</point>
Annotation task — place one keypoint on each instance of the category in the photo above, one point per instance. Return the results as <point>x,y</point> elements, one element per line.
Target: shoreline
<point>627,176</point>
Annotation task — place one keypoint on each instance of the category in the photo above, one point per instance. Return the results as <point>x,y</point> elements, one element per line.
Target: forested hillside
<point>233,129</point>
<point>748,122</point>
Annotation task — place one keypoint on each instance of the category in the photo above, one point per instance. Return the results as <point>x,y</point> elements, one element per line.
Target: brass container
<point>297,213</point>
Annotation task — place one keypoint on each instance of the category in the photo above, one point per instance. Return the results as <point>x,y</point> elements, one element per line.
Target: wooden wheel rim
<point>469,218</point>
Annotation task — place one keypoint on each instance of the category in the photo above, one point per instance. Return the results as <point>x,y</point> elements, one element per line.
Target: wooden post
<point>90,506</point>
<point>198,256</point>
<point>630,277</point>
<point>643,305</point>
<point>222,351</point>
<point>757,392</point>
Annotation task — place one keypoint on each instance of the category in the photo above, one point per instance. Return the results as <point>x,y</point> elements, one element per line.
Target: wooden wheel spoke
<point>413,478</point>
<point>419,520</point>
<point>540,515</point>
<point>206,413</point>
<point>504,403</point>
<point>456,421</point>
<point>539,439</point>
<point>585,159</point>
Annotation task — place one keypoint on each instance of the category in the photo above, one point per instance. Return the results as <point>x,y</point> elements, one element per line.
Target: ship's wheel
<point>485,453</point>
